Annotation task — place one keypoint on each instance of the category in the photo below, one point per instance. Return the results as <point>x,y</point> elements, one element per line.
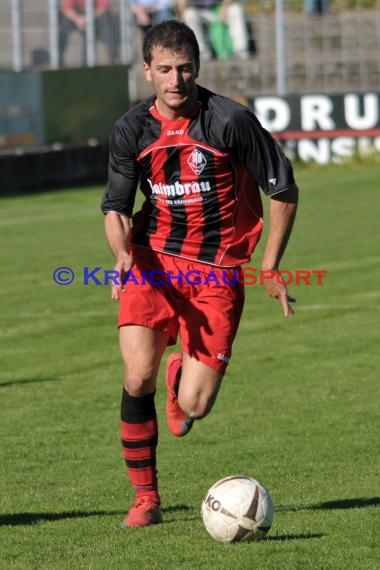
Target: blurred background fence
<point>312,76</point>
<point>299,45</point>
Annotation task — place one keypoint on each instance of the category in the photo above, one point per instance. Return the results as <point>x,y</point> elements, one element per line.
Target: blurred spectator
<point>72,17</point>
<point>317,7</point>
<point>151,12</point>
<point>207,17</point>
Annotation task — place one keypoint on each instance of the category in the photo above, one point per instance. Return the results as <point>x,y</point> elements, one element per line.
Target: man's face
<point>173,76</point>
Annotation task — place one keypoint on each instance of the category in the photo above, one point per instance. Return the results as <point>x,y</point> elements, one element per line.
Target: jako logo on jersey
<point>197,161</point>
<point>273,181</point>
<point>178,189</point>
<point>172,133</point>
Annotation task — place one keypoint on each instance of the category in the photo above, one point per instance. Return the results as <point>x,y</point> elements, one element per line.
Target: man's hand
<point>122,266</point>
<point>223,11</point>
<point>80,22</point>
<point>277,290</point>
<point>142,15</point>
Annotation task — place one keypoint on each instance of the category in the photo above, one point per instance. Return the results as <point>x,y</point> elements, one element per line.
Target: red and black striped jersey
<point>200,177</point>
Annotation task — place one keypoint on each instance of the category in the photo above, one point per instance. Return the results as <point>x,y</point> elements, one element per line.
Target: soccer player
<point>199,159</point>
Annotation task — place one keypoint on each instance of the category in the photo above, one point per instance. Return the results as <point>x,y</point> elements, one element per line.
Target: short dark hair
<point>172,35</point>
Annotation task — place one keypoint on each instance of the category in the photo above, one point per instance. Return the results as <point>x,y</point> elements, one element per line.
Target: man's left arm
<point>272,171</point>
<point>283,207</point>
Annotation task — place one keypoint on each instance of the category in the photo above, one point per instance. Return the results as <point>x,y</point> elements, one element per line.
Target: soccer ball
<point>237,508</point>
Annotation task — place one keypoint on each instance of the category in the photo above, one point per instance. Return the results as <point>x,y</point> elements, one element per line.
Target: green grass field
<point>299,406</point>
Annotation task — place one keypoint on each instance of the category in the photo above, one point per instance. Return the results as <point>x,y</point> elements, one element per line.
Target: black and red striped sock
<point>139,435</point>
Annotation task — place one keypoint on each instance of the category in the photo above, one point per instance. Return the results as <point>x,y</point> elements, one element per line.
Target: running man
<point>199,159</point>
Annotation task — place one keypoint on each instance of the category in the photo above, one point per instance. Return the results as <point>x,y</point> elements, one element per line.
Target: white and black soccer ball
<point>237,508</point>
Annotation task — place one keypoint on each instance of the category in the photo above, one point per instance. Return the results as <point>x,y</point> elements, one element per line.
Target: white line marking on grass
<point>350,263</point>
<point>64,215</point>
<point>48,314</point>
<point>325,307</point>
<point>355,299</point>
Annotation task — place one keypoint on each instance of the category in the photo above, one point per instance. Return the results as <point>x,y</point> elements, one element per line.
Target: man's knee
<point>196,406</point>
<point>139,381</point>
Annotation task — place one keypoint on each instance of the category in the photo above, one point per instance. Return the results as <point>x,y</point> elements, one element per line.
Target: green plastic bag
<point>220,38</point>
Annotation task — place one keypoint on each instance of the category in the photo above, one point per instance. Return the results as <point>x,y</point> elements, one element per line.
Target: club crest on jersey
<point>197,161</point>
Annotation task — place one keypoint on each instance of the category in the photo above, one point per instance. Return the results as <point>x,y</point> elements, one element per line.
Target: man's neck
<point>184,112</point>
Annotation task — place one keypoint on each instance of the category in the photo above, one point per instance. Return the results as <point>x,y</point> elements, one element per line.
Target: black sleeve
<point>123,174</point>
<point>255,147</point>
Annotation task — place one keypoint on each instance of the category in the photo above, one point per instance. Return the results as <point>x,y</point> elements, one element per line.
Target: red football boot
<point>178,421</point>
<point>145,511</point>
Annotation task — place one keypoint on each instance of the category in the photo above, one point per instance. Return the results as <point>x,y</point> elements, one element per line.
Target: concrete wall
<point>66,106</point>
<point>55,126</point>
<point>48,169</point>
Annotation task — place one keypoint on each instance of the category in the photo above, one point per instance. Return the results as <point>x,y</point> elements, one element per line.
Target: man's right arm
<point>118,234</point>
<point>119,197</point>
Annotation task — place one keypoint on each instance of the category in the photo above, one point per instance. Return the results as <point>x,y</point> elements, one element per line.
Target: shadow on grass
<point>34,380</point>
<point>33,518</point>
<point>347,504</point>
<point>191,515</point>
<point>284,537</point>
<point>359,503</point>
<point>176,508</point>
<point>18,519</point>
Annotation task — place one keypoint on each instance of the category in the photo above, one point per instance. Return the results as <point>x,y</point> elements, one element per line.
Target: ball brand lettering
<point>214,504</point>
<point>179,189</point>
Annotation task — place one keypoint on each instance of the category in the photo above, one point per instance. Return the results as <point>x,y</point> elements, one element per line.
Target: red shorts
<point>202,302</point>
